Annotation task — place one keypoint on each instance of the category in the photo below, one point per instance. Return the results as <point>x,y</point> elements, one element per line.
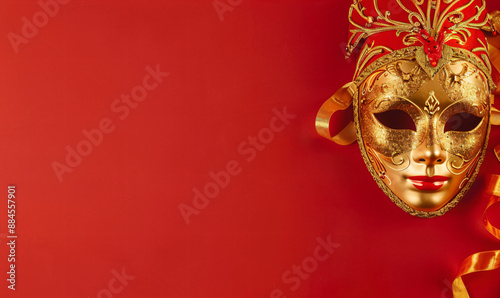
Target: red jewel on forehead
<point>433,48</point>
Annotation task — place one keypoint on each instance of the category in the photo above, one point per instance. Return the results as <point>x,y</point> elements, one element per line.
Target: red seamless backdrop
<point>115,115</point>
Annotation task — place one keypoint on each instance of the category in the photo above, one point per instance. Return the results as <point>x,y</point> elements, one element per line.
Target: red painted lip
<point>428,183</point>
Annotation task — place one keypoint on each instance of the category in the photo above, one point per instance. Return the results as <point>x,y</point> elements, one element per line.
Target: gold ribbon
<point>341,100</point>
<point>495,57</point>
<point>486,260</point>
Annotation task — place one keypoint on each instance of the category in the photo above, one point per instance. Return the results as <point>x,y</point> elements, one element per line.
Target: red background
<point>120,207</point>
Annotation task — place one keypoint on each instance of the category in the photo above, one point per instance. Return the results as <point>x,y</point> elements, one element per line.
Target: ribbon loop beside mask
<point>340,101</point>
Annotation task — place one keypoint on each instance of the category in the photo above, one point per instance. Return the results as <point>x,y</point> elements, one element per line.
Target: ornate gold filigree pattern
<point>368,53</point>
<point>432,21</point>
<point>378,165</point>
<point>432,104</point>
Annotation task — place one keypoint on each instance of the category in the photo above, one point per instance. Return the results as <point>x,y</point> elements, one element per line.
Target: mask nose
<point>429,156</point>
<point>432,155</point>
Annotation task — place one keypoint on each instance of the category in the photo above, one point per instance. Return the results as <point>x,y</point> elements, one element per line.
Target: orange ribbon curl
<point>486,260</point>
<point>341,100</point>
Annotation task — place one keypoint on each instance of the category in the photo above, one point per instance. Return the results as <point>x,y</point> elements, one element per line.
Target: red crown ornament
<point>431,30</point>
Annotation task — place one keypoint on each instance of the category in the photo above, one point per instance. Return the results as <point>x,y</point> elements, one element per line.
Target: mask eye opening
<point>462,122</point>
<point>396,119</point>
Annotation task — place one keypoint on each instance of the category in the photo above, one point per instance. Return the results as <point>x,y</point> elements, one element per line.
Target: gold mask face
<point>423,139</point>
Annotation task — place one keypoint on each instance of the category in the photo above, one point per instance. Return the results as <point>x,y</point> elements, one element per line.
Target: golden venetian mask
<point>422,102</point>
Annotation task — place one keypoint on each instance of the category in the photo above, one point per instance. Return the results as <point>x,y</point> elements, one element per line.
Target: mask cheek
<point>461,171</point>
<point>465,145</point>
<point>386,141</point>
<point>464,152</point>
<point>388,150</point>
